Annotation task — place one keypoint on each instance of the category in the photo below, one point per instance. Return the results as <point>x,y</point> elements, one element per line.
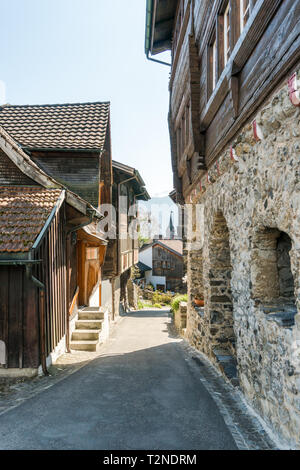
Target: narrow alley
<point>143,391</point>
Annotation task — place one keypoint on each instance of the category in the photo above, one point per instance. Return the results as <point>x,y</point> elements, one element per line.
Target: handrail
<point>74,301</point>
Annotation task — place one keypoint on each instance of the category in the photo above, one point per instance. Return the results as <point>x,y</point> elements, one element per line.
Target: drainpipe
<point>158,61</point>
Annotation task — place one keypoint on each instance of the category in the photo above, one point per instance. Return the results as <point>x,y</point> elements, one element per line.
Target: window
<point>212,65</point>
<point>227,34</point>
<point>245,12</point>
<point>178,138</point>
<point>183,132</point>
<point>187,125</point>
<point>178,24</point>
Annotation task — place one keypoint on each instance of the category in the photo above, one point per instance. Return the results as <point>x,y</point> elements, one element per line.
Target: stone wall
<point>248,264</point>
<point>133,294</point>
<point>180,317</point>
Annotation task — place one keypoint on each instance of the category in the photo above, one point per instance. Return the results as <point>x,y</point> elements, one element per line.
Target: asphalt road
<point>141,393</point>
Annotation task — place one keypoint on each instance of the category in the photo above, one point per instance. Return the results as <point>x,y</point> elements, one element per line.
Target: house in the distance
<point>161,264</point>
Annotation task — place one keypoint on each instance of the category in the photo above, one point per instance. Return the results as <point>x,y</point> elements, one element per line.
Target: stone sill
<point>283,315</point>
<point>200,311</point>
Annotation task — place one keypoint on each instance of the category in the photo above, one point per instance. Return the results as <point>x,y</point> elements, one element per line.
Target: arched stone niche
<point>220,304</point>
<point>272,280</point>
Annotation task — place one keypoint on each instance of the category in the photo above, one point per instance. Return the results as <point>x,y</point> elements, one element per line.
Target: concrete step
<point>89,325</point>
<point>82,335</point>
<point>84,345</point>
<point>90,315</point>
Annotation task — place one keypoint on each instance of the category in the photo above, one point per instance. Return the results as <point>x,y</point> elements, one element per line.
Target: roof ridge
<point>53,104</point>
<point>29,188</point>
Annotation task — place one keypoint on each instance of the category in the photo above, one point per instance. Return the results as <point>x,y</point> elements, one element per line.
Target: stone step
<point>88,315</point>
<point>89,325</point>
<point>82,335</point>
<point>84,345</point>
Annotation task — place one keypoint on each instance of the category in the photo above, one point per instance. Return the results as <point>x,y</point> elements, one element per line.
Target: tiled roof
<point>143,267</point>
<point>60,126</point>
<point>23,213</point>
<point>176,245</point>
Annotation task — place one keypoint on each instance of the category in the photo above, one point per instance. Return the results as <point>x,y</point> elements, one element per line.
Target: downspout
<point>69,232</point>
<point>149,19</point>
<point>157,61</point>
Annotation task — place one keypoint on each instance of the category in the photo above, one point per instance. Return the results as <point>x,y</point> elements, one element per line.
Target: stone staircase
<point>88,327</point>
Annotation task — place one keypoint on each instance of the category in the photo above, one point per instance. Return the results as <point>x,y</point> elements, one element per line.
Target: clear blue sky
<point>59,51</point>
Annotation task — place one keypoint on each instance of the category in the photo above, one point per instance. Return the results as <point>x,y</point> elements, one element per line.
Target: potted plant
<point>199,302</point>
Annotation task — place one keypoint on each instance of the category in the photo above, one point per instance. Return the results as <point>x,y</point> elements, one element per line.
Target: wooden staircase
<point>86,336</point>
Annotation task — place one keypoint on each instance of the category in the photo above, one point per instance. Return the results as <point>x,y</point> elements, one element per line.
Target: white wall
<point>155,280</point>
<point>145,257</point>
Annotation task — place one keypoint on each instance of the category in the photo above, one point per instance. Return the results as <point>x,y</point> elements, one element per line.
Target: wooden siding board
<point>15,312</point>
<point>4,304</point>
<point>270,50</point>
<point>31,325</point>
<point>11,174</point>
<point>264,60</point>
<point>79,173</point>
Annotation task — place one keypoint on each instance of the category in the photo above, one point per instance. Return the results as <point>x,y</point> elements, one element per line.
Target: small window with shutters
<point>227,34</point>
<point>245,10</point>
<point>212,65</point>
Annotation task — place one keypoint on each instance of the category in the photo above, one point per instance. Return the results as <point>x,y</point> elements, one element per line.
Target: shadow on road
<point>145,399</point>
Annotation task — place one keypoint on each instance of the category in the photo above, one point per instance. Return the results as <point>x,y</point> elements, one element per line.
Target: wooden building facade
<point>37,214</point>
<point>226,59</point>
<point>56,174</point>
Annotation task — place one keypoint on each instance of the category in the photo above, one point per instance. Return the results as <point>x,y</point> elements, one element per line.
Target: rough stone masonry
<point>247,265</point>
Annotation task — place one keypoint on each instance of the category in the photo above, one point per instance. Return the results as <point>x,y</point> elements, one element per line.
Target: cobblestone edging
<point>247,428</point>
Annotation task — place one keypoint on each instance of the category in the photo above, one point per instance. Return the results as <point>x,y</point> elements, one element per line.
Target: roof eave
<point>148,35</point>
<point>60,149</point>
<point>153,10</point>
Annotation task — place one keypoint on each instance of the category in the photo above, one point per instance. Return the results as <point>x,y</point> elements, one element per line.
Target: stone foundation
<point>247,264</point>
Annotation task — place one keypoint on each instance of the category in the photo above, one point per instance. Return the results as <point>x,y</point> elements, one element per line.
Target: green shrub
<point>176,301</point>
<point>166,298</point>
<point>144,304</point>
<point>157,306</point>
<point>161,298</point>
